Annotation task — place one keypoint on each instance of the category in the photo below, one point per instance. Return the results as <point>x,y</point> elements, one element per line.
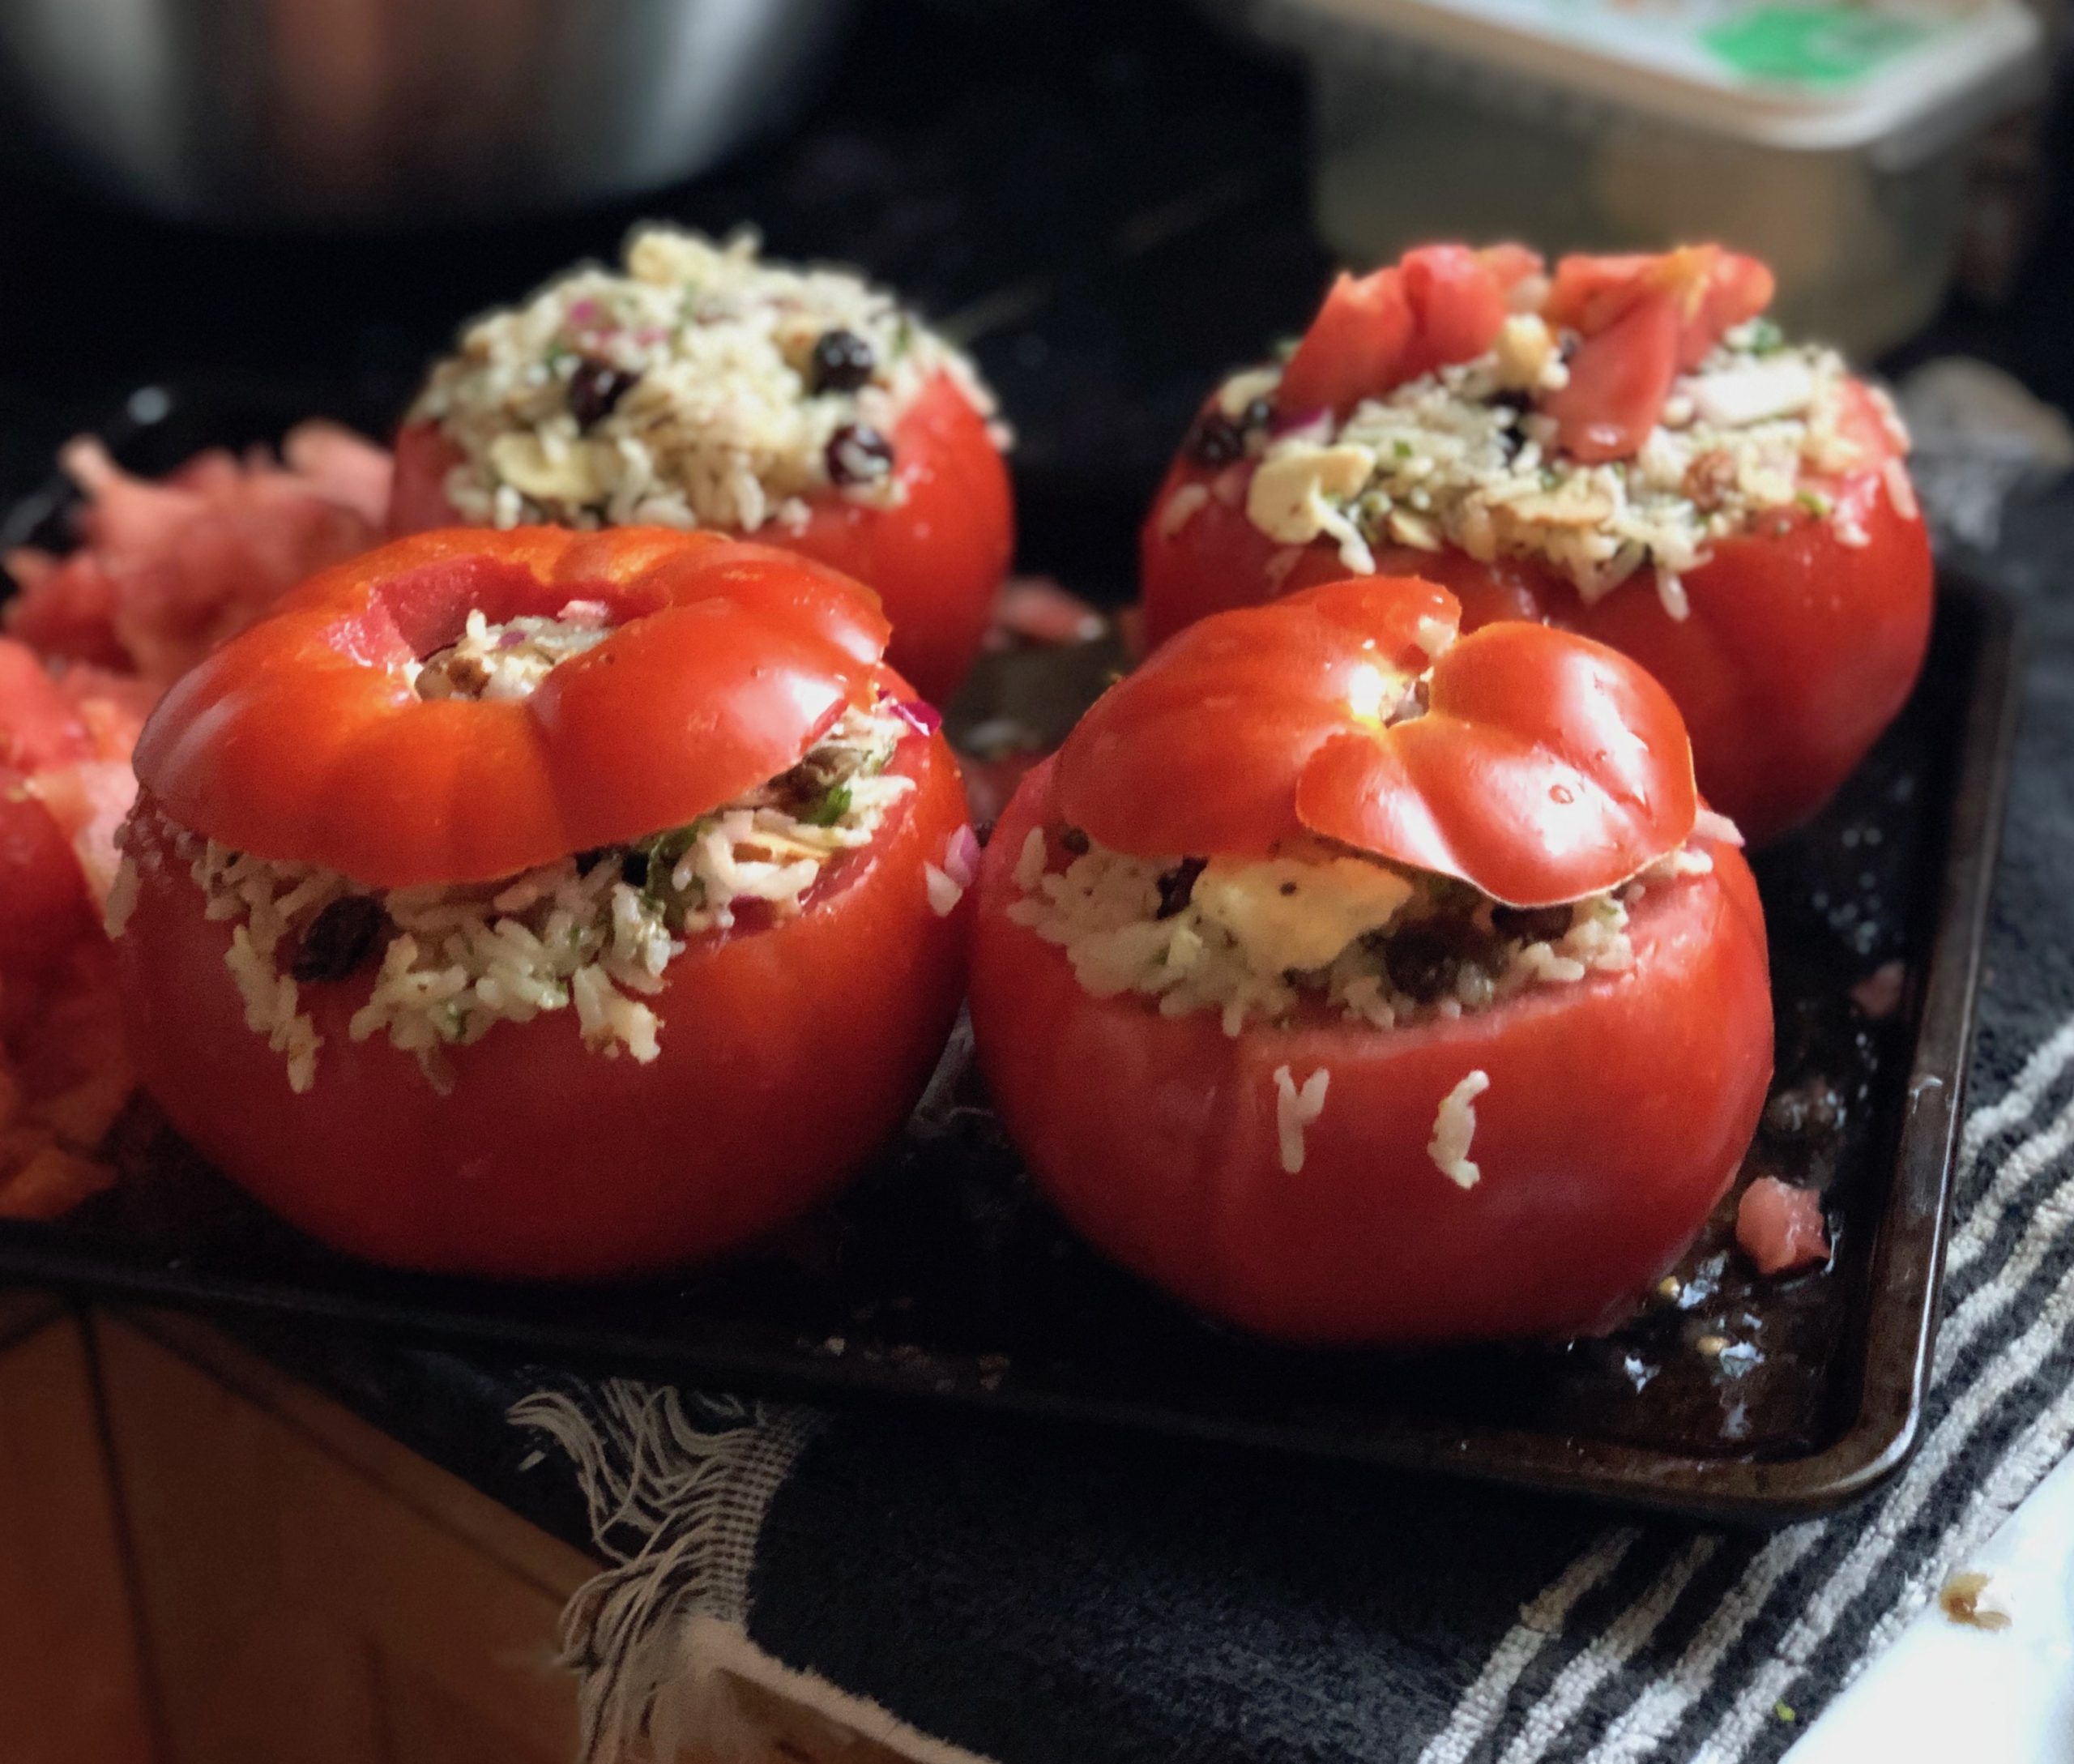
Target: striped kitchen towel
<point>957,1594</point>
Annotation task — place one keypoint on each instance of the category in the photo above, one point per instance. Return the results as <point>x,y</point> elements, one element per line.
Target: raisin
<point>633,869</point>
<point>1177,885</point>
<point>1075,841</point>
<point>1531,925</point>
<point>842,361</point>
<point>339,938</point>
<point>1425,960</point>
<point>1214,440</point>
<point>858,454</point>
<point>595,389</point>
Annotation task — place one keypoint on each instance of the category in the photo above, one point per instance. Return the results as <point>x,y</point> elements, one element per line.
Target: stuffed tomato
<point>1628,449</point>
<point>1357,982</point>
<point>544,904</point>
<point>702,387</point>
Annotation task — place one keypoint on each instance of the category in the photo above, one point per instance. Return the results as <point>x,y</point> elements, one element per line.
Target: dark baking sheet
<point>941,1279</point>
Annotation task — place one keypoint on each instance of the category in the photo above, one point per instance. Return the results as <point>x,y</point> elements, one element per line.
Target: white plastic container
<point>1829,140</point>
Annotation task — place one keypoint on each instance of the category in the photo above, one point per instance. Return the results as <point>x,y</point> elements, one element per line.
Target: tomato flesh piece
<point>1780,1227</point>
<point>1442,304</point>
<point>1620,381</point>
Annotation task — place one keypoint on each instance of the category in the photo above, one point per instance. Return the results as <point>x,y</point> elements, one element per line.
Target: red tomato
<point>790,1053</point>
<point>789,1048</point>
<point>1798,650</point>
<point>935,560</point>
<point>1617,1109</point>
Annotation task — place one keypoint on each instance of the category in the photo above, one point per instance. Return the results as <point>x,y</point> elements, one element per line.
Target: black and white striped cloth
<point>964,1595</point>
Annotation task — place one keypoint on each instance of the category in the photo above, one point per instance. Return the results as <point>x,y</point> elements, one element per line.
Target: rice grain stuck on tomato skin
<point>1295,1108</point>
<point>698,385</point>
<point>1454,1129</point>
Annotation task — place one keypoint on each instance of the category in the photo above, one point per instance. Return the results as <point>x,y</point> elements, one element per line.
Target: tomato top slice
<point>1543,768</point>
<point>1441,304</point>
<point>1642,319</point>
<point>1715,290</point>
<point>304,739</point>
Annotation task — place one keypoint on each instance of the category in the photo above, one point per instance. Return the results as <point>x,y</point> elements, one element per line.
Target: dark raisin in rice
<point>1531,925</point>
<point>842,361</point>
<point>595,389</point>
<point>858,454</point>
<point>1075,841</point>
<point>339,938</point>
<point>633,869</point>
<point>1177,885</point>
<point>1215,440</point>
<point>1424,961</point>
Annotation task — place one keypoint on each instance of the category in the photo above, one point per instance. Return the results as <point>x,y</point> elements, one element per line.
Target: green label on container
<point>1814,45</point>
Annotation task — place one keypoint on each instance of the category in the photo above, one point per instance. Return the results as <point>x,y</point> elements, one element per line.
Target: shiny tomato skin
<point>302,738</point>
<point>1618,1111</point>
<point>1800,649</point>
<point>1798,652</point>
<point>936,560</point>
<point>790,1053</point>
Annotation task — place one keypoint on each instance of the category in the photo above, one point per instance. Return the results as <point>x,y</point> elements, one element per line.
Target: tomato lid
<point>306,738</point>
<point>1534,764</point>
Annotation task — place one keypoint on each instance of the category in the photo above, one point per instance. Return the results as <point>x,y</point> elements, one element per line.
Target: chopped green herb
<point>1402,449</point>
<point>830,808</point>
<point>1813,501</point>
<point>1783,1711</point>
<point>1760,336</point>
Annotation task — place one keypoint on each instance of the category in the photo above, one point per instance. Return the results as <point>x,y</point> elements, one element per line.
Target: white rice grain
<point>1454,1127</point>
<point>1295,1109</point>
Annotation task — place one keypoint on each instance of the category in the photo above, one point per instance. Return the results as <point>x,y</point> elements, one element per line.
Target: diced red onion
<point>961,857</point>
<point>1718,827</point>
<point>1286,423</point>
<point>924,718</point>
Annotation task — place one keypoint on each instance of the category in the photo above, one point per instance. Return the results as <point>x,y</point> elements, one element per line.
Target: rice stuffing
<point>1261,941</point>
<point>1461,457</point>
<point>593,932</point>
<point>697,386</point>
